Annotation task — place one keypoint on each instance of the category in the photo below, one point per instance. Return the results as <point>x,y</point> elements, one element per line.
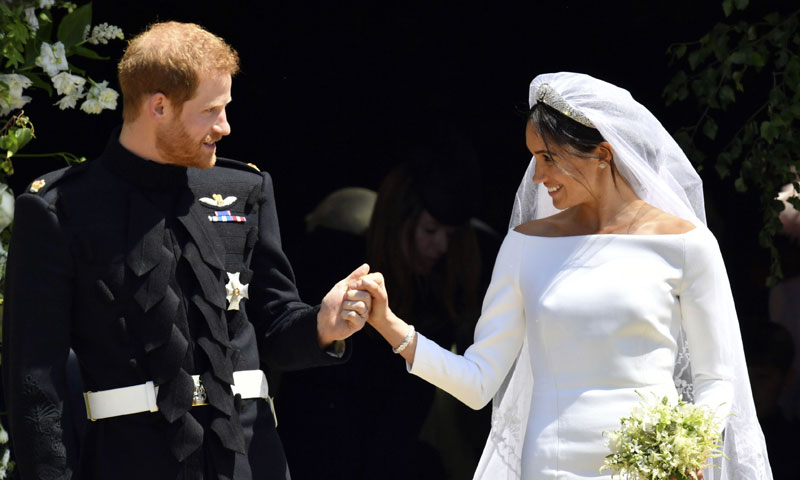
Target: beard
<point>177,147</point>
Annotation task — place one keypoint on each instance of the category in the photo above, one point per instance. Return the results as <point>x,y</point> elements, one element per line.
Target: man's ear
<point>158,106</point>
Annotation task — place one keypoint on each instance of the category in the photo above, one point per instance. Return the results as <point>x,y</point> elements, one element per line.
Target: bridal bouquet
<point>663,441</point>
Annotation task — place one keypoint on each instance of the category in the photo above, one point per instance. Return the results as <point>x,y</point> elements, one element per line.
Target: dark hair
<point>397,210</point>
<point>555,127</point>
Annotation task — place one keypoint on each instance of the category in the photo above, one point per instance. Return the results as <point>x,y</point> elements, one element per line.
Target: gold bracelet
<point>406,341</point>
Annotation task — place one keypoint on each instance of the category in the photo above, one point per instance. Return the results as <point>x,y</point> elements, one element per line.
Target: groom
<point>165,274</point>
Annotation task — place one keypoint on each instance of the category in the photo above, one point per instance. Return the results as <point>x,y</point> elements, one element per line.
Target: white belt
<point>142,398</point>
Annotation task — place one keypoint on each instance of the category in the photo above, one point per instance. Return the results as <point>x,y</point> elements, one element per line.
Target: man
<point>167,278</point>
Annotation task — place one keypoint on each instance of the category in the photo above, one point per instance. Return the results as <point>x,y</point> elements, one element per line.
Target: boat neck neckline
<point>614,235</point>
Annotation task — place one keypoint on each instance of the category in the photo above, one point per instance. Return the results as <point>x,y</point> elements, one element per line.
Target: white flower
<point>68,84</point>
<point>3,433</point>
<point>91,105</point>
<point>68,101</point>
<point>13,99</point>
<point>100,97</point>
<point>108,98</point>
<point>103,33</point>
<point>46,3</point>
<point>6,457</point>
<point>6,217</point>
<point>30,17</point>
<point>52,58</point>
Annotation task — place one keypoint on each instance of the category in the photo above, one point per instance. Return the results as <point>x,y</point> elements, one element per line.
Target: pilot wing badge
<point>216,200</point>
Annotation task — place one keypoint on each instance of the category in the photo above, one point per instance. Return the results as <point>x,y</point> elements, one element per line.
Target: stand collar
<point>139,171</point>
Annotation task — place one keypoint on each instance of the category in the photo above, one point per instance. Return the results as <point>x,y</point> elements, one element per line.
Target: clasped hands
<point>359,298</point>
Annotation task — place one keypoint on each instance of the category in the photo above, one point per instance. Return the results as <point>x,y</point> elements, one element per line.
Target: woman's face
<point>569,179</point>
<point>431,239</point>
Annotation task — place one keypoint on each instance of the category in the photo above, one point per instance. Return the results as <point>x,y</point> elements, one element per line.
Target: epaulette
<point>230,163</point>
<point>47,181</point>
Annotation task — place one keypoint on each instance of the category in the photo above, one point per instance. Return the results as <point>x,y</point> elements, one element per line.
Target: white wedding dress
<point>601,314</point>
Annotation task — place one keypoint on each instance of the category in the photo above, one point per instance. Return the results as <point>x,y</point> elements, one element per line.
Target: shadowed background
<point>329,91</point>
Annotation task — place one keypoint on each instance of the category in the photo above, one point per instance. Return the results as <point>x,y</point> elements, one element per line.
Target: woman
<point>606,277</point>
<point>419,235</point>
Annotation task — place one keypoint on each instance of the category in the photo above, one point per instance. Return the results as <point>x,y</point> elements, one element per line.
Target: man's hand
<point>343,312</point>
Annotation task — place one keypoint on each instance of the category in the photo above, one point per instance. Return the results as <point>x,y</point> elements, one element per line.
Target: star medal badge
<point>235,291</point>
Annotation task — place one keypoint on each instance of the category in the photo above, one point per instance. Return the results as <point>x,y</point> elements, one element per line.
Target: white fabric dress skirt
<point>601,314</point>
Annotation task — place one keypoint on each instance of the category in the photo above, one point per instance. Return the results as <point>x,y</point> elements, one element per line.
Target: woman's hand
<point>699,476</point>
<point>373,285</point>
<point>381,317</point>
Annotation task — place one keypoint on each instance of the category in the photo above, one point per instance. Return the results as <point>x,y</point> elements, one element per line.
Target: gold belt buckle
<point>199,397</point>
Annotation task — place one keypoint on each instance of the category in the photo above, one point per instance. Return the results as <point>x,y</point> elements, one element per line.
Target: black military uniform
<point>126,261</point>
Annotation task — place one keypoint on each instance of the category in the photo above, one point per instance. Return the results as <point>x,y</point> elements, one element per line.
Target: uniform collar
<point>139,171</point>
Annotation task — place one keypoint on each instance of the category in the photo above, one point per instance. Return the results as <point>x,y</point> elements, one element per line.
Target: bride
<point>608,283</point>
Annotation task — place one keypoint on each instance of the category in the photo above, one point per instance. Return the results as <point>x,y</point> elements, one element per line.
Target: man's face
<point>188,138</point>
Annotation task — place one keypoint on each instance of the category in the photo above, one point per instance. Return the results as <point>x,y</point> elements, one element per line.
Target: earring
<point>602,164</point>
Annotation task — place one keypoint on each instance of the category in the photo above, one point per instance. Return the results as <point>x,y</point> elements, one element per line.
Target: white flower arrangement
<point>661,441</point>
<point>52,59</point>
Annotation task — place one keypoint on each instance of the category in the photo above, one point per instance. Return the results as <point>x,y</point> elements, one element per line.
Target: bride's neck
<point>615,210</point>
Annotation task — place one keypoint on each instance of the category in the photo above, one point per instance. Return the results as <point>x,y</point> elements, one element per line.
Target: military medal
<point>235,291</point>
<point>226,216</point>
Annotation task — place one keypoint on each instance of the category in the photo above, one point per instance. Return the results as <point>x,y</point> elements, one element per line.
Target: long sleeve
<point>286,327</point>
<point>37,321</point>
<point>475,377</point>
<point>707,310</point>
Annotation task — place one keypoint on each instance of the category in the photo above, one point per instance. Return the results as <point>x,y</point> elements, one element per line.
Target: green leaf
<point>782,60</point>
<point>727,7</point>
<point>87,53</point>
<point>39,82</point>
<point>737,57</point>
<point>756,59</point>
<point>70,31</point>
<point>736,147</point>
<point>710,128</point>
<point>697,57</point>
<point>769,131</point>
<point>726,95</point>
<point>24,135</point>
<point>772,18</point>
<point>740,185</point>
<point>7,142</point>
<point>741,4</point>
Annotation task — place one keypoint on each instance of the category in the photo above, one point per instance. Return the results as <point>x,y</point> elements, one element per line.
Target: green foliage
<point>661,441</point>
<point>71,28</point>
<point>752,65</point>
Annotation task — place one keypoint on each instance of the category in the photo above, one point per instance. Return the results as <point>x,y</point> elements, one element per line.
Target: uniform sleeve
<point>709,319</point>
<point>475,377</point>
<point>36,342</point>
<point>286,327</point>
